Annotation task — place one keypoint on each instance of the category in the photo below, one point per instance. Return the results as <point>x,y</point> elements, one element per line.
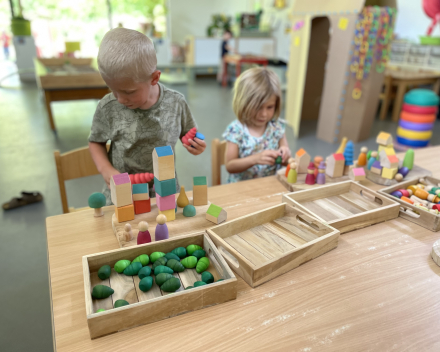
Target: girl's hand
<point>285,153</point>
<point>266,157</point>
<point>198,144</point>
<point>108,173</point>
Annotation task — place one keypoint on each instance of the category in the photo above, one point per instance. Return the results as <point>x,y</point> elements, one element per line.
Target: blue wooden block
<point>140,188</point>
<point>164,151</point>
<point>200,136</point>
<point>166,187</point>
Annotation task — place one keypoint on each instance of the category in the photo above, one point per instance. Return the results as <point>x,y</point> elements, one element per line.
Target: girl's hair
<point>125,53</point>
<point>252,89</point>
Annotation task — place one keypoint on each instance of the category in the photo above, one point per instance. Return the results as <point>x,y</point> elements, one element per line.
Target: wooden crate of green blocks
<point>139,285</point>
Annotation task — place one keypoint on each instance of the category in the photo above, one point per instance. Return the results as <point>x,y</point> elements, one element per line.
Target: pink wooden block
<point>358,171</point>
<point>121,179</point>
<point>166,203</point>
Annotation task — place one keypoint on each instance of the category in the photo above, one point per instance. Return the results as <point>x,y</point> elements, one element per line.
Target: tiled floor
<point>26,163</point>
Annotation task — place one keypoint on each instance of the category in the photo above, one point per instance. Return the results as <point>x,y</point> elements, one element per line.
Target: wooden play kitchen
<point>411,212</point>
<point>268,243</point>
<point>154,305</point>
<point>346,206</point>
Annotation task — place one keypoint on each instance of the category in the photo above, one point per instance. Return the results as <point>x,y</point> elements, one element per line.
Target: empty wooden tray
<point>268,243</point>
<point>410,212</point>
<point>346,206</point>
<point>154,305</point>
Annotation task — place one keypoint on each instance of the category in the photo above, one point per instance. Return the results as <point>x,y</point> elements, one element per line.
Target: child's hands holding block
<point>194,142</point>
<point>266,157</point>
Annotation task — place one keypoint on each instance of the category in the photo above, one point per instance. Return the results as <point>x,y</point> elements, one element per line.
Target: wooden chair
<point>74,164</point>
<point>218,150</point>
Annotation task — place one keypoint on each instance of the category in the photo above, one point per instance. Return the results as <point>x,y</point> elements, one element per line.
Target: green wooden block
<point>199,181</point>
<point>189,287</point>
<point>133,269</point>
<point>175,265</point>
<point>171,255</point>
<point>146,283</point>
<point>166,187</point>
<point>156,255</point>
<point>202,265</point>
<point>199,253</point>
<point>100,310</point>
<point>104,272</point>
<point>143,259</point>
<point>408,160</point>
<point>160,261</point>
<point>162,277</point>
<point>207,277</point>
<point>189,262</point>
<point>214,210</point>
<point>199,283</point>
<point>121,265</point>
<point>180,252</point>
<point>102,291</point>
<point>144,272</point>
<point>191,248</point>
<point>121,303</point>
<point>171,285</point>
<point>163,269</point>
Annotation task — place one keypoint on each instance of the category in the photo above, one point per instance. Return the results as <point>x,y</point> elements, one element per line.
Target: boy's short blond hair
<point>125,53</point>
<point>252,89</point>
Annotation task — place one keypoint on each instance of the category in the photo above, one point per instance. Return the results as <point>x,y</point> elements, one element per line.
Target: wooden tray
<point>346,206</point>
<point>181,226</point>
<point>301,179</point>
<point>409,211</point>
<point>154,305</point>
<point>416,171</point>
<point>268,243</point>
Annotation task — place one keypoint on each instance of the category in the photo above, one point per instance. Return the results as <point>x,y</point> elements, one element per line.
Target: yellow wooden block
<point>169,214</point>
<point>200,195</point>
<point>389,149</point>
<point>389,173</point>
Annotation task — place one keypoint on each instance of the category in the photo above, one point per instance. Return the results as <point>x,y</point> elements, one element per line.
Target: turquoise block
<point>140,188</point>
<point>166,187</point>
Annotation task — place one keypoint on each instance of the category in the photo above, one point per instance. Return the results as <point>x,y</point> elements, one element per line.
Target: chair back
<point>218,150</point>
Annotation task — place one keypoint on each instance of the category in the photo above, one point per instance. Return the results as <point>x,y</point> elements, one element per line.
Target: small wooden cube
<point>389,173</point>
<point>169,214</point>
<point>120,190</point>
<point>216,214</point>
<point>140,191</point>
<point>166,187</point>
<point>163,163</point>
<point>376,168</point>
<point>357,174</point>
<point>142,206</point>
<point>166,203</point>
<point>125,213</point>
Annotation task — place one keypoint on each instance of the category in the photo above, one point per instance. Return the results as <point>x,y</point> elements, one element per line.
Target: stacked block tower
<point>141,198</point>
<point>389,163</point>
<point>417,118</point>
<point>165,181</point>
<point>120,190</point>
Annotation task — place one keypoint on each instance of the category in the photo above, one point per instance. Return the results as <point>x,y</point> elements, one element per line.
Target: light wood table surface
<point>378,290</point>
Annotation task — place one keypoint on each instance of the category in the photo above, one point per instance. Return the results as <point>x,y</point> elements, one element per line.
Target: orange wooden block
<point>142,206</point>
<point>405,199</point>
<point>125,213</point>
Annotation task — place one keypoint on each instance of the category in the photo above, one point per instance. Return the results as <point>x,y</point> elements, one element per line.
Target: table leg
<point>386,97</point>
<point>225,73</point>
<point>401,90</point>
<point>48,108</point>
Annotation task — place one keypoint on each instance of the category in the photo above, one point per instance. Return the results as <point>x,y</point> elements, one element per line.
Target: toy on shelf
<point>357,174</point>
<point>161,232</point>
<point>164,181</point>
<point>302,160</point>
<point>120,191</point>
<point>141,198</point>
<point>141,178</point>
<point>320,178</point>
<point>189,135</point>
<point>182,199</point>
<point>200,191</point>
<point>310,178</point>
<point>417,118</point>
<point>216,214</point>
<point>335,165</point>
<point>143,234</point>
<point>97,201</point>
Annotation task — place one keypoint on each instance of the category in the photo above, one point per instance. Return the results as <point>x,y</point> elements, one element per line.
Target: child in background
<point>140,114</point>
<point>258,137</point>
<point>225,49</point>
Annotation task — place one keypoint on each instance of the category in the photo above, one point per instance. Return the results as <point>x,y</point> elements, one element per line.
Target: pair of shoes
<point>25,199</point>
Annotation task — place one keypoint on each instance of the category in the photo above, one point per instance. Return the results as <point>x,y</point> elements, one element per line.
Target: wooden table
<point>64,79</point>
<point>404,79</point>
<point>378,290</point>
<point>238,60</point>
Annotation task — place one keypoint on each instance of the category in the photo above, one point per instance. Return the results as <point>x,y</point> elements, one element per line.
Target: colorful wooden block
<point>389,173</point>
<point>141,196</point>
<point>216,214</point>
<point>357,174</point>
<point>142,206</point>
<point>140,192</point>
<point>200,191</point>
<point>166,187</point>
<point>376,168</point>
<point>163,163</point>
<point>166,203</point>
<point>335,165</point>
<point>125,213</point>
<point>169,214</point>
<point>120,190</point>
<point>388,161</point>
<point>389,149</point>
<point>302,160</point>
<point>384,138</point>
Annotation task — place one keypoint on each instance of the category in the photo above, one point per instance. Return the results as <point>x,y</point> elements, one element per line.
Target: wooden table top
<point>377,290</point>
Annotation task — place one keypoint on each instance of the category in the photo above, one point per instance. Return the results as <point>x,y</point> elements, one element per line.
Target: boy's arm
<point>197,146</point>
<point>235,165</point>
<point>98,151</point>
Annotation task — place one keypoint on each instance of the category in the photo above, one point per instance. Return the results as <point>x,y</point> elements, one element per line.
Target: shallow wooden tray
<point>416,171</point>
<point>301,179</point>
<point>154,305</point>
<point>346,206</point>
<point>270,242</point>
<point>409,211</point>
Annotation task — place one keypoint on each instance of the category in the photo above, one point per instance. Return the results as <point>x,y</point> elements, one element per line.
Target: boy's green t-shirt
<point>135,133</point>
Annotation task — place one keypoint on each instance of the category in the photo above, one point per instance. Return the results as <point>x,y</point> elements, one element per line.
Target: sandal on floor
<point>25,199</point>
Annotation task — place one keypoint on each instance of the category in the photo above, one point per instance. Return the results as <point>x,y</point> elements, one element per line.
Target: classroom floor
<point>27,163</point>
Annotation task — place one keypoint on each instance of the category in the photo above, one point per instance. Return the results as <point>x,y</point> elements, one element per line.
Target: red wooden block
<point>142,206</point>
<point>404,192</point>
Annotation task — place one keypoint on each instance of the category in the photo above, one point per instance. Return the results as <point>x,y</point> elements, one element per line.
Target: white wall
<point>412,21</point>
<point>192,17</point>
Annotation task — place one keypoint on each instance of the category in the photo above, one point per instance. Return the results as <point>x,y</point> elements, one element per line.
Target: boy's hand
<point>285,153</point>
<point>108,173</point>
<point>266,157</point>
<point>198,144</point>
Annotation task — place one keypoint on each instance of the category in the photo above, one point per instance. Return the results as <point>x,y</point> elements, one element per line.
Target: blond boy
<point>140,114</point>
